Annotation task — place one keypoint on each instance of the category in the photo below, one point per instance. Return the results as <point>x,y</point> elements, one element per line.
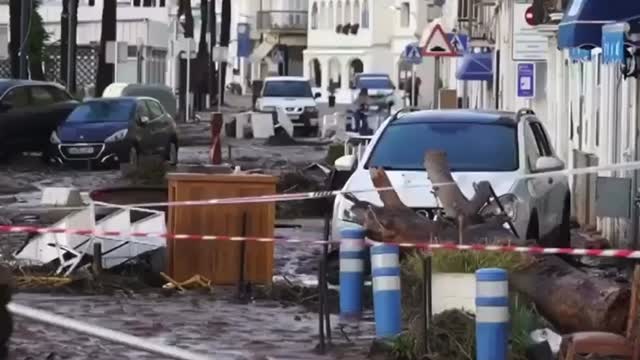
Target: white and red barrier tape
<point>618,253</point>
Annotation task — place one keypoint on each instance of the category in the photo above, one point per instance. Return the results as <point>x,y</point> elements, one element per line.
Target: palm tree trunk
<point>225,37</point>
<point>213,35</point>
<point>105,74</point>
<point>202,62</point>
<point>14,44</point>
<point>64,40</point>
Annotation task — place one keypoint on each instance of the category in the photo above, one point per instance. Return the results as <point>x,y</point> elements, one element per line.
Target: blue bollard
<point>387,306</point>
<point>492,314</point>
<point>351,273</point>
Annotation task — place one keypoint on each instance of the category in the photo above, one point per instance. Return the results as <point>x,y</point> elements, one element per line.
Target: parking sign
<point>526,80</point>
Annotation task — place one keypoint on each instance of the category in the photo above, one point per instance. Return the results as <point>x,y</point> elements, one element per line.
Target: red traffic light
<point>530,17</point>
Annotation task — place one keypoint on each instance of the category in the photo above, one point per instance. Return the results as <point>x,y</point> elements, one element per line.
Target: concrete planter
<point>453,291</point>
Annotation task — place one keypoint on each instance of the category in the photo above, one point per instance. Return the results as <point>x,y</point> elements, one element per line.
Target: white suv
<point>293,95</point>
<point>499,147</point>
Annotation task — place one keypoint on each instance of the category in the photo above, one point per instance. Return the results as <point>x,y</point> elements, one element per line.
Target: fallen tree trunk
<point>571,299</point>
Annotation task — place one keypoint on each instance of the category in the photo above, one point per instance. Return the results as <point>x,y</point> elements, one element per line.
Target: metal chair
<point>608,344</point>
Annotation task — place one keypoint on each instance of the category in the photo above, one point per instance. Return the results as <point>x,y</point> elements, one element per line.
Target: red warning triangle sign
<point>438,44</point>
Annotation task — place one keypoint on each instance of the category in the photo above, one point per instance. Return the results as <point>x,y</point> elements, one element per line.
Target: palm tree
<point>225,37</point>
<point>14,44</point>
<point>64,39</point>
<point>36,43</point>
<point>202,67</point>
<point>213,19</point>
<point>105,75</point>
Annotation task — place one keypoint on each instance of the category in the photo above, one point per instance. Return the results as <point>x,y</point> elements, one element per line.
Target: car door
<point>15,135</point>
<point>542,186</point>
<point>43,122</point>
<point>157,126</point>
<point>559,184</point>
<point>142,132</point>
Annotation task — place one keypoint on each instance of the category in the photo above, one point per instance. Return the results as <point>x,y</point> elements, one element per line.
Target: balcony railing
<point>282,21</point>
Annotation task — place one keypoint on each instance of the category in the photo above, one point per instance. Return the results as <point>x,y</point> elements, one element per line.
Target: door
<point>143,135</point>
<point>14,135</point>
<point>44,122</point>
<point>157,127</point>
<point>551,189</point>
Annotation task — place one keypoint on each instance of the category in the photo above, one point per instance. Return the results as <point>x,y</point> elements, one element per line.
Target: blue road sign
<point>613,47</point>
<point>526,76</point>
<point>412,54</point>
<point>459,42</point>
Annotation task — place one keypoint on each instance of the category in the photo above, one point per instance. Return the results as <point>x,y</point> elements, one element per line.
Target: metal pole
<point>220,89</point>
<point>25,18</point>
<point>187,98</point>
<point>71,45</point>
<point>102,333</point>
<point>413,85</point>
<point>115,61</point>
<point>436,80</point>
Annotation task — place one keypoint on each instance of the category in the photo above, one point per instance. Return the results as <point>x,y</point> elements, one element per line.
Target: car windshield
<point>102,112</point>
<point>478,147</point>
<point>374,83</point>
<point>287,88</point>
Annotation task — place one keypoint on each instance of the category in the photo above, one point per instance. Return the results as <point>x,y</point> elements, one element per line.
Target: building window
<point>315,73</point>
<point>405,14</point>
<point>356,12</point>
<point>314,16</point>
<point>365,14</point>
<point>330,18</point>
<point>339,13</point>
<point>347,12</point>
<point>322,21</point>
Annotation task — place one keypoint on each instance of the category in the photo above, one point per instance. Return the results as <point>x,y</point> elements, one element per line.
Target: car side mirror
<point>4,106</point>
<point>345,163</point>
<point>317,95</point>
<point>548,163</point>
<point>143,120</point>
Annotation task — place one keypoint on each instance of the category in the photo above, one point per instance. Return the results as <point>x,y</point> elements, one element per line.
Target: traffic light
<point>536,14</point>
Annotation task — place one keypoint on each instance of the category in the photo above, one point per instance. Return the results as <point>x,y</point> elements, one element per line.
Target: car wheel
<point>172,153</point>
<point>133,158</point>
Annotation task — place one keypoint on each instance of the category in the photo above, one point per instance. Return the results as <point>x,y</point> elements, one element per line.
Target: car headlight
<point>117,136</point>
<point>54,139</point>
<point>508,201</point>
<point>310,109</point>
<point>344,211</point>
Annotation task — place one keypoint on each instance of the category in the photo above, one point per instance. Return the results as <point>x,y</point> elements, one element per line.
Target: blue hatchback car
<point>112,131</point>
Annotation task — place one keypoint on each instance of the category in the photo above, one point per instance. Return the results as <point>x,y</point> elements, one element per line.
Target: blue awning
<point>582,23</point>
<point>476,66</point>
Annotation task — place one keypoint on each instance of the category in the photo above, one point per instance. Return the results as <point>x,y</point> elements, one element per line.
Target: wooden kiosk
<point>221,260</point>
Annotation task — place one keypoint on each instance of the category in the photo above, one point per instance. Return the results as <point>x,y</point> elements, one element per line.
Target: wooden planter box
<point>221,261</point>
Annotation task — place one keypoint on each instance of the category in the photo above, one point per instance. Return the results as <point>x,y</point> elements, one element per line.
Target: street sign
<point>437,44</point>
<point>277,56</point>
<point>527,43</point>
<point>412,54</point>
<point>244,40</point>
<point>613,47</point>
<point>526,76</point>
<point>459,42</point>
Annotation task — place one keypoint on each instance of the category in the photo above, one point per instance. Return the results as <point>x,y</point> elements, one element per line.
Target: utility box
<point>224,262</point>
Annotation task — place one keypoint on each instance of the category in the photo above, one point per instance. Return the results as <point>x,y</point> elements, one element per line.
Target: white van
<point>292,94</point>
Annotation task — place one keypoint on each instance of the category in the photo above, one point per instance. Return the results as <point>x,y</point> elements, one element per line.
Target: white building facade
<point>347,37</point>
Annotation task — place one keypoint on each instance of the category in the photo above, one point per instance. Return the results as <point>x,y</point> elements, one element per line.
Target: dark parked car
<point>111,131</point>
<point>29,111</point>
